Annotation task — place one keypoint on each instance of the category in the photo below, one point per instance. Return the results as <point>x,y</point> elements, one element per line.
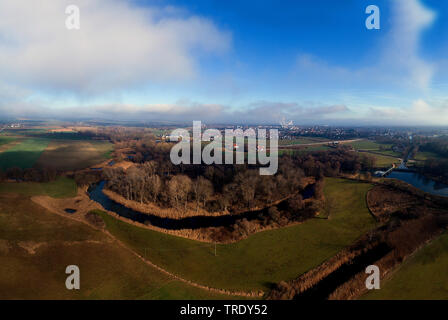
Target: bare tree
<point>179,187</point>
<point>202,189</point>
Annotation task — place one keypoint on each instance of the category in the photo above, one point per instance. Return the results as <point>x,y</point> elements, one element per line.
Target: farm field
<point>383,161</point>
<point>368,145</point>
<point>304,150</point>
<point>304,140</point>
<point>374,148</point>
<point>422,276</point>
<point>57,154</point>
<point>383,153</point>
<point>36,246</point>
<point>23,155</point>
<point>6,139</point>
<point>74,154</point>
<point>422,156</point>
<point>264,258</point>
<point>60,188</point>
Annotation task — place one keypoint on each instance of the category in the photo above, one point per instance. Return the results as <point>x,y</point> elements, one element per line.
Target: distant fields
<point>384,161</point>
<point>60,188</point>
<point>6,139</point>
<point>264,258</point>
<point>367,145</point>
<point>423,276</point>
<point>23,155</point>
<point>36,246</point>
<point>374,148</point>
<point>423,156</point>
<point>384,155</point>
<point>302,140</point>
<point>58,154</point>
<point>74,154</point>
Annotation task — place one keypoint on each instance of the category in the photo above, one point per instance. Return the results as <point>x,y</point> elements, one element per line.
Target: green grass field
<point>302,140</point>
<point>423,276</point>
<point>36,246</point>
<point>264,258</point>
<point>383,161</point>
<point>367,145</point>
<point>304,150</point>
<point>60,188</point>
<point>6,139</point>
<point>23,155</point>
<point>383,153</point>
<point>374,147</point>
<point>423,156</point>
<point>57,154</point>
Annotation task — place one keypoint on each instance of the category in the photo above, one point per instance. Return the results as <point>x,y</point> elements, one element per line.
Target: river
<point>96,194</point>
<point>421,182</point>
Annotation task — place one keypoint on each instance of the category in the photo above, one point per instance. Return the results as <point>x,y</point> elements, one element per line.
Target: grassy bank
<point>423,276</point>
<point>36,246</point>
<point>264,258</point>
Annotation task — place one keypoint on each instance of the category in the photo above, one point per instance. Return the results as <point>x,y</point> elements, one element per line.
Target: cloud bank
<point>118,45</point>
<point>398,62</point>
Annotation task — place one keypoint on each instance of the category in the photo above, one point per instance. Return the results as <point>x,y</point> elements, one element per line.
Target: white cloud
<point>410,19</point>
<point>398,61</point>
<point>118,45</point>
<point>420,112</point>
<point>182,111</point>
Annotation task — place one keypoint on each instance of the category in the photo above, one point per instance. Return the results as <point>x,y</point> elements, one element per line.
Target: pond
<point>421,182</point>
<point>96,194</point>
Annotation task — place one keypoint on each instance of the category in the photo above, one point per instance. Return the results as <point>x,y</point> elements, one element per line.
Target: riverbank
<point>263,258</point>
<point>418,218</point>
<point>191,209</point>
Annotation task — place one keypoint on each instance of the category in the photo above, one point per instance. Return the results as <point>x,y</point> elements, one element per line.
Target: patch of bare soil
<point>30,246</point>
<point>5,246</point>
<point>81,202</point>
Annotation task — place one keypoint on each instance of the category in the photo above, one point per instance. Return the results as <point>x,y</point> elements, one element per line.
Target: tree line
<point>227,187</point>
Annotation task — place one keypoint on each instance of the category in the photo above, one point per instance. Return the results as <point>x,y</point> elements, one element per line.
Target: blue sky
<point>312,61</point>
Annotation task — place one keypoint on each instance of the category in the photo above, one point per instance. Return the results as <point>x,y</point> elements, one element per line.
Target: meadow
<point>302,140</point>
<point>422,276</point>
<point>423,156</point>
<point>23,155</point>
<point>60,188</point>
<point>36,246</point>
<point>384,155</point>
<point>264,258</point>
<point>383,161</point>
<point>74,154</point>
<point>6,139</point>
<point>374,147</point>
<point>55,153</point>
